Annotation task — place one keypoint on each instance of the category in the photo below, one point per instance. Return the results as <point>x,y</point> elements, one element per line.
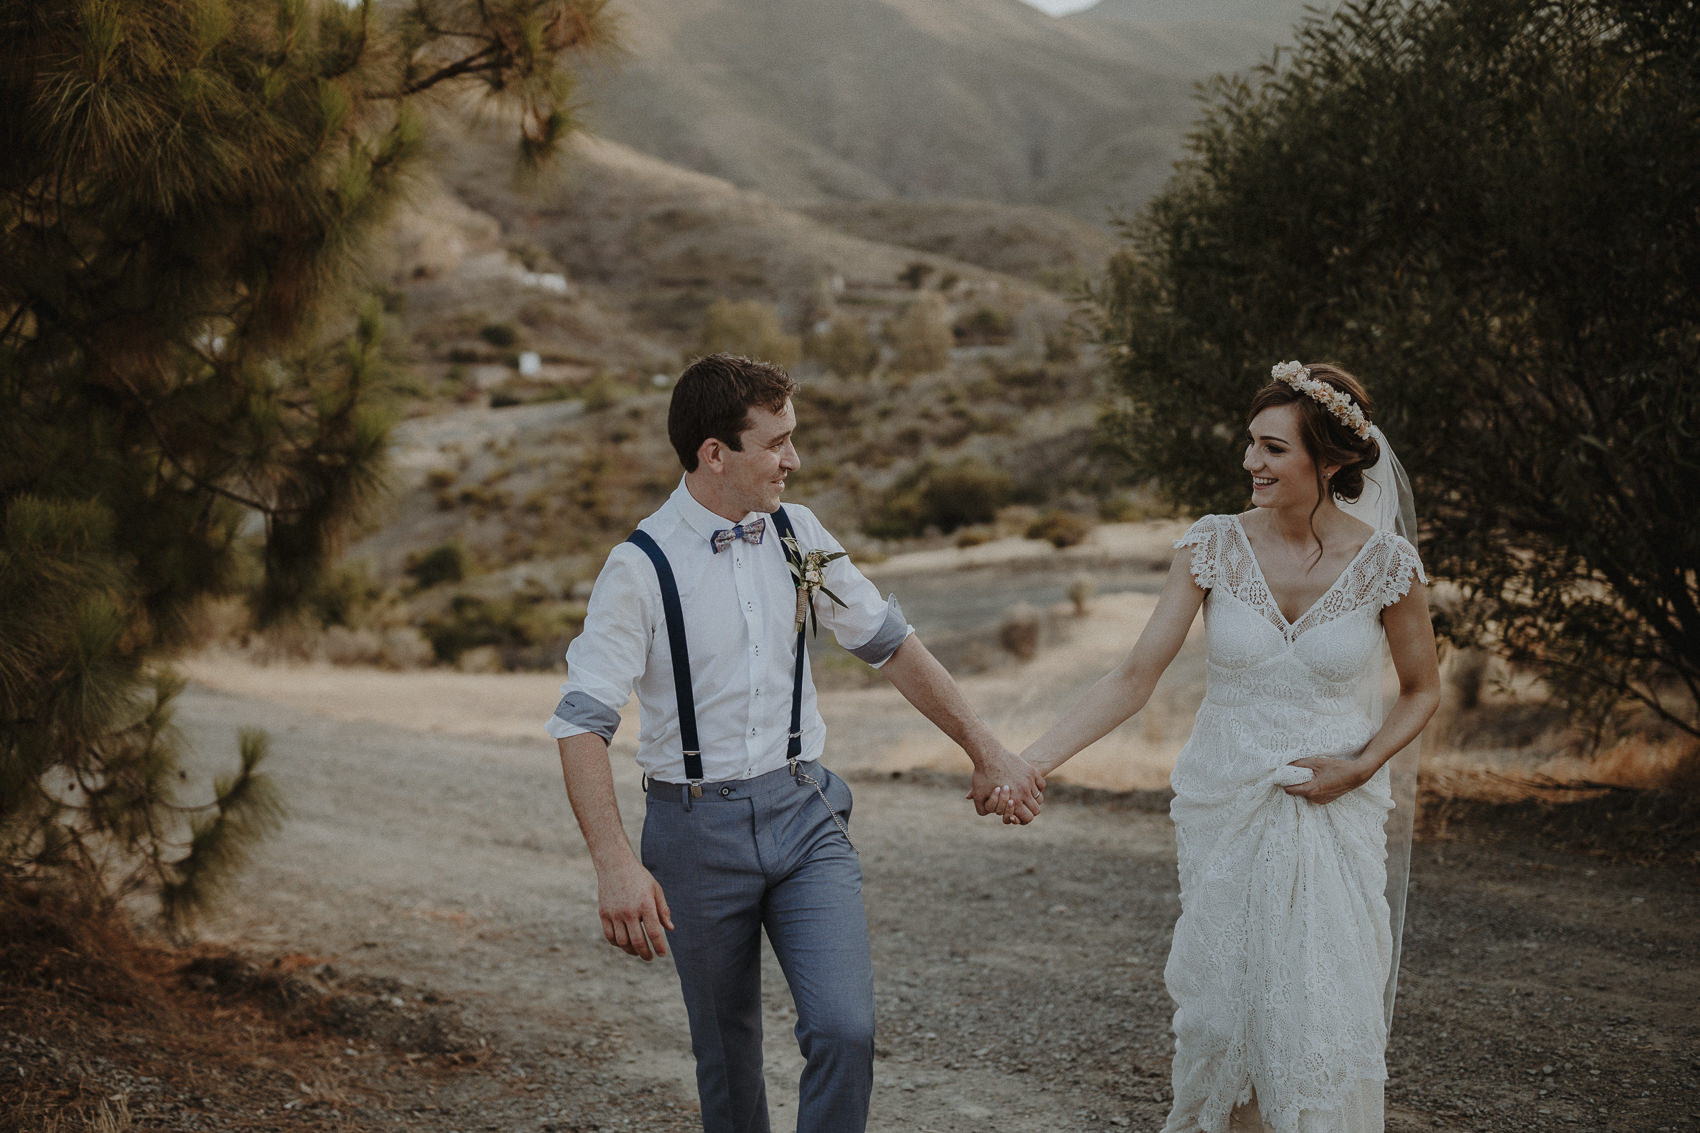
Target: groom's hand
<point>633,910</point>
<point>1007,785</point>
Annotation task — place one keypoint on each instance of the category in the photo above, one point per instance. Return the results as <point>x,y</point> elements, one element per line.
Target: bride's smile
<point>1282,472</point>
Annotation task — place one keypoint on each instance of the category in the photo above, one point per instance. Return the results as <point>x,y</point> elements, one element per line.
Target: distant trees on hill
<point>1487,209</point>
<point>186,384</point>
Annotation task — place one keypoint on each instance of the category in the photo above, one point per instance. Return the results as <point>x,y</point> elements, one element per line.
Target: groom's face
<point>754,476</point>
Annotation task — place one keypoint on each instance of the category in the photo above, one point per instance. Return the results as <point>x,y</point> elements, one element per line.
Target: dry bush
<point>1080,594</point>
<point>1020,631</point>
<point>921,335</point>
<point>404,647</point>
<point>1060,529</point>
<point>751,328</point>
<point>344,646</point>
<point>845,347</point>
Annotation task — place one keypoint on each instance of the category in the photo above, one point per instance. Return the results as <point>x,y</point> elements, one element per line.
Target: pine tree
<point>185,186</point>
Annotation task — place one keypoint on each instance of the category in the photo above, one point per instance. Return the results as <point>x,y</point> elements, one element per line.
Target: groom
<point>744,829</point>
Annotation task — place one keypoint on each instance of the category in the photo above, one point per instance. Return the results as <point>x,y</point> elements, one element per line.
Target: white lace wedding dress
<point>1282,951</point>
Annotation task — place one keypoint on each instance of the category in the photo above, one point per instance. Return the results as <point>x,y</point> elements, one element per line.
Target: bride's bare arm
<point>1124,690</point>
<point>1410,638</point>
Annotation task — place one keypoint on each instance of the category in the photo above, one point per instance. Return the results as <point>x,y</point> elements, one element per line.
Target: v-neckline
<point>1287,624</point>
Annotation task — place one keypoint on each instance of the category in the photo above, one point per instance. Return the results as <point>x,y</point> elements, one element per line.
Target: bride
<point>1285,954</point>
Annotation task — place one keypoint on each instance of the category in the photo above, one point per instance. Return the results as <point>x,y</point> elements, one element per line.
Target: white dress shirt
<point>740,630</point>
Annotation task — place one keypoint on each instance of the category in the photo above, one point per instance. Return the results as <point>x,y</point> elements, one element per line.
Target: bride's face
<point>1282,473</point>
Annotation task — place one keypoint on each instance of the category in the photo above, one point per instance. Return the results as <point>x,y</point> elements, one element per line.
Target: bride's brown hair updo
<point>1327,439</point>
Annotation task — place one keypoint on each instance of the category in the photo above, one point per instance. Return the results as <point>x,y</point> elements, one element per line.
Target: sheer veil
<point>1386,505</point>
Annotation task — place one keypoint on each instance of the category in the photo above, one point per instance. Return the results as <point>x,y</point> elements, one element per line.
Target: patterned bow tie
<point>750,532</point>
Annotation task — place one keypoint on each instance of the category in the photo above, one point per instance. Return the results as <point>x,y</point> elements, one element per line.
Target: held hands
<point>633,910</point>
<point>1333,777</point>
<point>1006,785</point>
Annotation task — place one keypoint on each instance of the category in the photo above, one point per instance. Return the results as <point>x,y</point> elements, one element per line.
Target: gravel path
<point>1018,971</point>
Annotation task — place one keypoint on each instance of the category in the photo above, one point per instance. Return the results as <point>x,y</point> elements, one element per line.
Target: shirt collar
<point>698,518</point>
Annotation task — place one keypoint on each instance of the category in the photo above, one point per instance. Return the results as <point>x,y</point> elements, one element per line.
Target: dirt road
<point>1018,971</point>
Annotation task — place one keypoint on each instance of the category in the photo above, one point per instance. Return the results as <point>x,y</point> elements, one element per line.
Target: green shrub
<point>915,275</point>
<point>500,335</point>
<point>985,326</point>
<point>445,562</point>
<point>525,631</point>
<point>603,390</point>
<point>343,594</point>
<point>1030,386</point>
<point>947,498</point>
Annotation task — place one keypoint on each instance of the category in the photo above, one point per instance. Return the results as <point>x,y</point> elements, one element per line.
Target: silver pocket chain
<point>803,776</point>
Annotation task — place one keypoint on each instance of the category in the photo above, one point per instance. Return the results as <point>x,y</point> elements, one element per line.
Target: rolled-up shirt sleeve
<point>868,626</point>
<point>608,656</point>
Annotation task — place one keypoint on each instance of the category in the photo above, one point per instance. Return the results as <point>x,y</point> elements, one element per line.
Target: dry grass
<point>1619,824</point>
<point>109,1032</point>
<point>104,1119</point>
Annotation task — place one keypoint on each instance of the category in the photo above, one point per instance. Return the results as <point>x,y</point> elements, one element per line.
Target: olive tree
<point>1486,209</point>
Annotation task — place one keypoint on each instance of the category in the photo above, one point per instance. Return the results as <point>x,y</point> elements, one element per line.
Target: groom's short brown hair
<point>713,398</point>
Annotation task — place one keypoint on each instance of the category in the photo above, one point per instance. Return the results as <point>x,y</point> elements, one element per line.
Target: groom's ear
<point>711,454</point>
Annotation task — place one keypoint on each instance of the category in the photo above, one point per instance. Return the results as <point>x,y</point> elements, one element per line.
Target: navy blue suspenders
<point>675,616</point>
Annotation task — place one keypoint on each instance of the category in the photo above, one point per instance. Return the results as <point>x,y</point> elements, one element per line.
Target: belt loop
<point>685,796</point>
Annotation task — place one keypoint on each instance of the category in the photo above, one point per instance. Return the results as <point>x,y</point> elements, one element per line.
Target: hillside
<point>873,99</point>
<point>663,242</point>
<point>834,184</point>
<point>1264,17</point>
<point>542,322</point>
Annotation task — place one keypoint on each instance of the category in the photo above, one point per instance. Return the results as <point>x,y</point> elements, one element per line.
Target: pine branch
<point>489,59</point>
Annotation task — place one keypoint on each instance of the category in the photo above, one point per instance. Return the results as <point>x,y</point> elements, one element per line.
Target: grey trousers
<point>755,854</point>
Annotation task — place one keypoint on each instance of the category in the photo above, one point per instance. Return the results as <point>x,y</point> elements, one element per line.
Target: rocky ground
<point>418,949</point>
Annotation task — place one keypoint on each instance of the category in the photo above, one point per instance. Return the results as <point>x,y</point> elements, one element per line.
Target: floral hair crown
<point>1338,403</point>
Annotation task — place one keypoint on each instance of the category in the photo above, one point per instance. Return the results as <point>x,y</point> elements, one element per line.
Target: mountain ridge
<point>809,100</point>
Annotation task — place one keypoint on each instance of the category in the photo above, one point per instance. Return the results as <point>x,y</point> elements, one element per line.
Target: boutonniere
<point>808,575</point>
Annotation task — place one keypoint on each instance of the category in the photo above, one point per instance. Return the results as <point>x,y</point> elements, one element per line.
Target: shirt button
<point>758,692</point>
<point>749,605</point>
<point>758,650</point>
<point>754,731</point>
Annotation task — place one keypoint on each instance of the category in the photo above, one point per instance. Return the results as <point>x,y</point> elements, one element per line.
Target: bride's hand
<point>1331,778</point>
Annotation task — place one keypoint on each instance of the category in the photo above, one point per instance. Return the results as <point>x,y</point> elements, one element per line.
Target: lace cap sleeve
<point>1205,539</point>
<point>1403,565</point>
